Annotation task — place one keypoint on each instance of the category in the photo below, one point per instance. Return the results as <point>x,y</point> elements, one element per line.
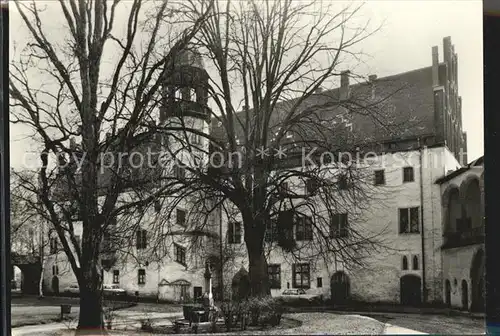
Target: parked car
<point>297,295</point>
<point>113,290</point>
<point>72,290</point>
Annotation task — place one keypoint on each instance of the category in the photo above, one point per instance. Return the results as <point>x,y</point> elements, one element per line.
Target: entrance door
<point>465,295</point>
<point>411,290</point>
<point>340,288</point>
<point>477,282</point>
<point>55,285</point>
<point>448,293</point>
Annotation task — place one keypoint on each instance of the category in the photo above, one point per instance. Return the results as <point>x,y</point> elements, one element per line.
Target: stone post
<point>208,286</point>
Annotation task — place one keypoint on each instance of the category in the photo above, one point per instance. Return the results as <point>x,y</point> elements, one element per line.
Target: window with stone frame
<point>409,220</point>
<point>319,282</point>
<point>274,273</point>
<point>311,186</point>
<point>408,174</point>
<point>141,239</point>
<point>379,177</point>
<point>53,244</point>
<point>234,232</point>
<point>180,217</point>
<point>180,254</point>
<point>404,263</point>
<point>338,225</point>
<point>301,276</point>
<point>303,228</point>
<point>141,276</point>
<point>116,276</point>
<point>195,139</point>
<point>271,231</point>
<point>415,263</point>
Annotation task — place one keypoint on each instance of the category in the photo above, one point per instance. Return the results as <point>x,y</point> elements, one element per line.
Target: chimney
<point>372,78</point>
<point>108,135</point>
<point>344,85</point>
<point>435,66</point>
<point>447,55</point>
<point>318,90</point>
<point>72,143</point>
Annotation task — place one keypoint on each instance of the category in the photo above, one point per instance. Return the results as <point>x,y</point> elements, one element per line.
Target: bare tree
<point>28,220</point>
<point>99,73</point>
<point>268,62</point>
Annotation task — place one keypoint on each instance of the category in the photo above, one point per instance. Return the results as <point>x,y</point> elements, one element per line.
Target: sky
<point>409,30</point>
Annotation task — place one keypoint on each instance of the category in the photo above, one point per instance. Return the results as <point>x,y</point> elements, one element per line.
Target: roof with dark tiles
<point>405,108</point>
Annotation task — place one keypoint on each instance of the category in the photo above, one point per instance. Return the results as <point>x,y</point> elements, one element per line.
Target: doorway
<point>447,287</point>
<point>465,295</point>
<point>340,288</point>
<point>55,285</point>
<point>411,290</point>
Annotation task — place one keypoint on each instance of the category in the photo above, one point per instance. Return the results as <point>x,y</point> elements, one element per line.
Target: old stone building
<point>409,162</point>
<point>462,197</point>
<point>138,255</point>
<point>411,166</point>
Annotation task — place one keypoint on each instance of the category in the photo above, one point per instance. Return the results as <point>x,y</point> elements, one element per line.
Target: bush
<point>264,311</point>
<point>258,311</point>
<point>230,310</point>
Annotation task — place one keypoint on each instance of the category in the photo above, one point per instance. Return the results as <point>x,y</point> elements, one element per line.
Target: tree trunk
<point>259,280</point>
<point>90,310</point>
<point>40,283</point>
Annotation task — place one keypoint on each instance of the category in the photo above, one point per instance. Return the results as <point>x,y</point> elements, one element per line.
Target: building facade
<point>413,267</point>
<point>462,197</point>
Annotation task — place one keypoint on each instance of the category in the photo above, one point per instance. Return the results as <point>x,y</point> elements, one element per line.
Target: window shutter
<point>403,220</point>
<point>294,283</point>
<point>309,228</point>
<point>414,220</point>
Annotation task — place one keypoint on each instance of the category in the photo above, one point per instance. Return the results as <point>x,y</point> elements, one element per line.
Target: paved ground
<point>433,324</point>
<point>31,309</point>
<point>312,323</point>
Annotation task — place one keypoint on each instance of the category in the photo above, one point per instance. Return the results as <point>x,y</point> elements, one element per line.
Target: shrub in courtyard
<point>230,310</point>
<point>264,311</point>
